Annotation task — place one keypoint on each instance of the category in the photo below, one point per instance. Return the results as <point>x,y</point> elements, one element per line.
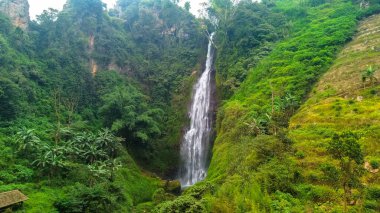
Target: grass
<point>245,168</point>
<point>340,102</point>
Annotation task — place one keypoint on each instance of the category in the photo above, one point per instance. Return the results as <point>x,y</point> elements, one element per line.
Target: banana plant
<point>27,139</point>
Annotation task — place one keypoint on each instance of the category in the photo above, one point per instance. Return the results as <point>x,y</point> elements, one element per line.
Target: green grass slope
<point>252,164</point>
<point>341,101</point>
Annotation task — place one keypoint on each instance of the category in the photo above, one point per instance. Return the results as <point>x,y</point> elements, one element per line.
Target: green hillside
<point>261,165</point>
<point>342,101</point>
<point>94,103</point>
<point>85,94</point>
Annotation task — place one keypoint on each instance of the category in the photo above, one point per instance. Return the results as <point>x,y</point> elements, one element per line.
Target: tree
<point>45,156</point>
<point>51,158</point>
<point>126,111</point>
<point>109,142</point>
<point>47,17</point>
<point>345,148</point>
<point>187,6</point>
<point>369,73</point>
<point>28,143</point>
<point>27,139</point>
<point>10,98</point>
<point>315,3</point>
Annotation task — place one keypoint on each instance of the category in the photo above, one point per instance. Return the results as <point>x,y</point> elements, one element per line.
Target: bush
<point>371,204</point>
<point>81,198</point>
<point>320,194</point>
<point>173,187</point>
<point>331,174</point>
<point>284,202</point>
<point>161,196</point>
<point>6,177</point>
<point>300,155</point>
<point>373,193</point>
<point>374,164</point>
<point>199,190</point>
<point>16,173</point>
<point>185,204</point>
<point>316,193</point>
<point>23,173</point>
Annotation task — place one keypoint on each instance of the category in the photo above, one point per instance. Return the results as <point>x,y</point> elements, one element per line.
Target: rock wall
<point>17,10</point>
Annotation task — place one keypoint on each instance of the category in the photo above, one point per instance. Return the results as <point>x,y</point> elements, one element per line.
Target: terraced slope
<point>342,101</point>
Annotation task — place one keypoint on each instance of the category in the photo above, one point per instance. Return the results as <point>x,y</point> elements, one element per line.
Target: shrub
<point>371,204</point>
<point>23,173</point>
<point>373,193</point>
<point>200,190</point>
<point>6,177</point>
<point>320,194</point>
<point>374,164</point>
<point>161,196</point>
<point>86,199</point>
<point>316,193</point>
<point>300,154</point>
<point>313,177</point>
<point>284,202</point>
<point>331,174</point>
<point>186,204</point>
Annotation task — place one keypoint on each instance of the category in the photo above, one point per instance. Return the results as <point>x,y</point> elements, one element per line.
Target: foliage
<point>245,34</point>
<point>131,70</point>
<point>125,111</point>
<point>369,73</point>
<point>374,164</point>
<point>85,199</point>
<point>48,91</point>
<point>345,148</point>
<point>248,174</point>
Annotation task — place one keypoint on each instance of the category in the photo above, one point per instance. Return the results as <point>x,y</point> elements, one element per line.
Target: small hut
<point>11,198</point>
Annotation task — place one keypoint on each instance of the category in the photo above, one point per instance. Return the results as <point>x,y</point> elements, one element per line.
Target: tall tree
<point>345,148</point>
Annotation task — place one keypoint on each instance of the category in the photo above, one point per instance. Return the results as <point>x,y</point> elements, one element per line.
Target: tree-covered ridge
<point>53,104</point>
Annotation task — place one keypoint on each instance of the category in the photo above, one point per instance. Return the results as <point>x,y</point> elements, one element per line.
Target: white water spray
<point>196,141</point>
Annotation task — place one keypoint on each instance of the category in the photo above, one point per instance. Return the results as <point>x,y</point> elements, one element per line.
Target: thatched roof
<point>11,197</point>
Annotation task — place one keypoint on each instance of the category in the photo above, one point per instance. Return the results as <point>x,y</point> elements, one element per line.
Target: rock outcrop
<point>17,11</point>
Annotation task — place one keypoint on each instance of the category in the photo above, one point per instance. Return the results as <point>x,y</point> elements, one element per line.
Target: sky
<point>195,5</point>
<point>38,6</point>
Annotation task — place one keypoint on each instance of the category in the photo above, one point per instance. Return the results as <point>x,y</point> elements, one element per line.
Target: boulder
<point>173,186</point>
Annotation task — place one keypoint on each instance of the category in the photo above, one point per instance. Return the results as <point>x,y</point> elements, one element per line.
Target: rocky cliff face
<point>17,10</point>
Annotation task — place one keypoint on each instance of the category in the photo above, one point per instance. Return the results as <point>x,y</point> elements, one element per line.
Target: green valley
<point>127,109</point>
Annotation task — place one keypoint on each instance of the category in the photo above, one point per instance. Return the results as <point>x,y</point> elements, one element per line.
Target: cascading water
<point>196,141</point>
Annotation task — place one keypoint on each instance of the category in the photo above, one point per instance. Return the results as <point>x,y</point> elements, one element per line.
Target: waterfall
<point>196,141</point>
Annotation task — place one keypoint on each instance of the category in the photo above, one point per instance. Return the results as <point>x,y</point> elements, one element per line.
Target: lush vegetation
<point>257,164</point>
<point>83,90</point>
<point>93,103</point>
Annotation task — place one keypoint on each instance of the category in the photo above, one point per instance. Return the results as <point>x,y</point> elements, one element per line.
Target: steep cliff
<point>17,10</point>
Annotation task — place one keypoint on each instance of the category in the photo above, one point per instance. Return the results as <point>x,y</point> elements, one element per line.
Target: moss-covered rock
<point>173,186</point>
<point>161,196</point>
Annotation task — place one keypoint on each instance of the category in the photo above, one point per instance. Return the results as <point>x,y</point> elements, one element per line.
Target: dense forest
<point>94,103</point>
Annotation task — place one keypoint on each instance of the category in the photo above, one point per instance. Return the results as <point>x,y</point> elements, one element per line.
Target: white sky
<point>195,5</point>
<point>38,6</point>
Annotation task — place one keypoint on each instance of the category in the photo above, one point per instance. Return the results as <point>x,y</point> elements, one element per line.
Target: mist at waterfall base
<point>196,141</point>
